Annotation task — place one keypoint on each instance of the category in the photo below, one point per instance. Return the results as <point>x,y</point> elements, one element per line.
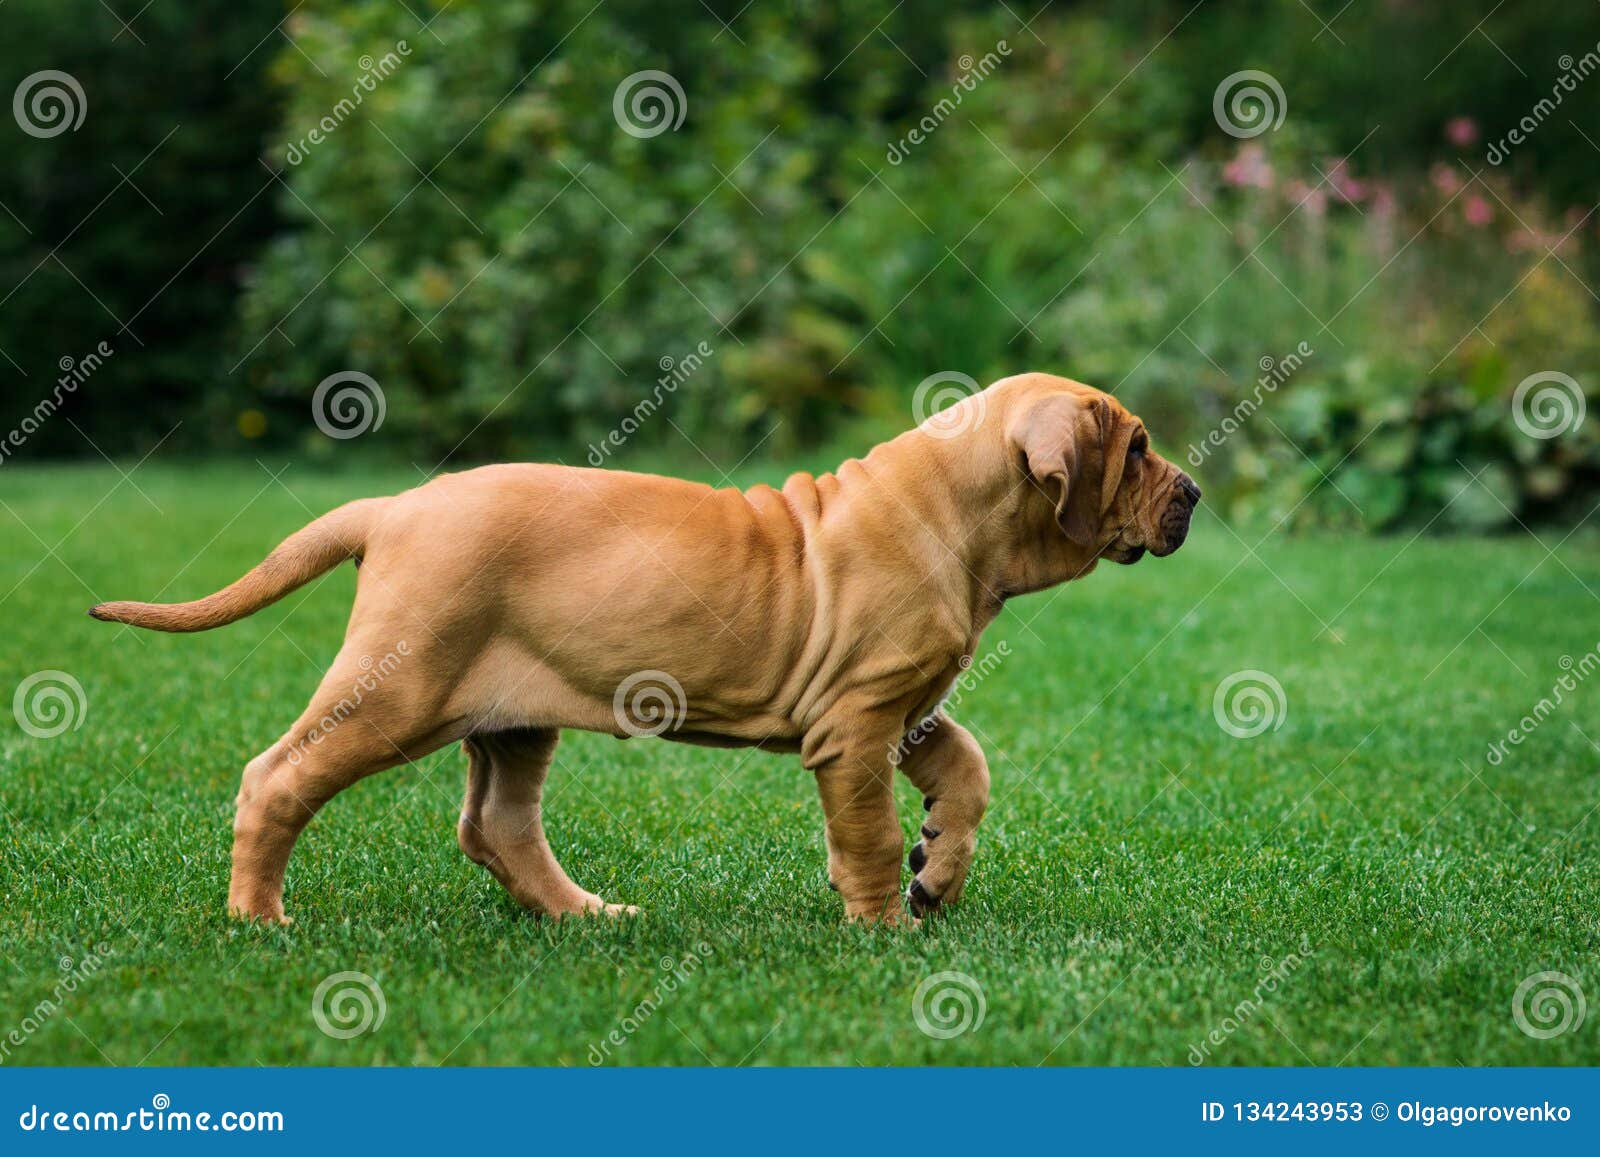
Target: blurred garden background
<point>849,198</point>
<point>260,258</point>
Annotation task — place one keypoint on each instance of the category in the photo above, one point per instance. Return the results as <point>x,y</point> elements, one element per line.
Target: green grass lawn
<point>1140,875</point>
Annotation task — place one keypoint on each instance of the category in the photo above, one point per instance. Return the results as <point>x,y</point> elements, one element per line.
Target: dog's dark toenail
<point>920,899</point>
<point>918,857</point>
<point>927,803</point>
<point>832,885</point>
<point>929,833</point>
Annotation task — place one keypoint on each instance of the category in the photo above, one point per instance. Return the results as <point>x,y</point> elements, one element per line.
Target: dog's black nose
<point>1187,485</point>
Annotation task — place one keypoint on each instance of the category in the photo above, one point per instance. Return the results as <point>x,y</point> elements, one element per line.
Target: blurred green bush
<point>487,241</point>
<point>132,229</point>
<point>831,258</point>
<point>1330,320</point>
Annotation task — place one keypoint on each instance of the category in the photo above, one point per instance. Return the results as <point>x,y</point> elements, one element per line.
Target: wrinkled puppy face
<point>1113,494</point>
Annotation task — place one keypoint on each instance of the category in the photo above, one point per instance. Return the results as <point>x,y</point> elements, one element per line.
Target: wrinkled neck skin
<point>1052,559</point>
<point>980,530</point>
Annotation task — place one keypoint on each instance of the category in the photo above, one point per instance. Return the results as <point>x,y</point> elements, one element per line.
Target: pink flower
<point>1383,202</point>
<point>1445,179</point>
<point>1313,199</point>
<point>1534,240</point>
<point>1461,131</point>
<point>1477,211</point>
<point>1347,188</point>
<point>1249,168</point>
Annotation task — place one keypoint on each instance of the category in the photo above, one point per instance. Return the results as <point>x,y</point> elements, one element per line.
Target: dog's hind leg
<point>502,826</point>
<point>357,724</point>
<point>947,766</point>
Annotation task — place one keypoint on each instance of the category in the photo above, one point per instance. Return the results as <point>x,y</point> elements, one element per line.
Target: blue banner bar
<point>803,1111</point>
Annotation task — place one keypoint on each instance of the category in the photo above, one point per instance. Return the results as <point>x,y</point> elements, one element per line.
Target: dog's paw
<point>889,910</point>
<point>615,911</point>
<point>266,918</point>
<point>920,900</point>
<point>898,917</point>
<point>929,888</point>
<point>589,907</point>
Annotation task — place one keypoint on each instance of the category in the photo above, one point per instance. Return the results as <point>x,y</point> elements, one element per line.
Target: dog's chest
<point>943,688</point>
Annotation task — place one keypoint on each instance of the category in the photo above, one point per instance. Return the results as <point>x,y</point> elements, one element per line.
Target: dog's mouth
<point>1170,533</point>
<point>1174,529</point>
<point>1177,517</point>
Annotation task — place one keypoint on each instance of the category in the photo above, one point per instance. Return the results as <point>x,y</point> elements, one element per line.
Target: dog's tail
<point>310,551</point>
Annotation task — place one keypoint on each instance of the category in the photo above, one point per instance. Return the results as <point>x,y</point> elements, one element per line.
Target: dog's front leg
<point>946,764</point>
<point>856,781</point>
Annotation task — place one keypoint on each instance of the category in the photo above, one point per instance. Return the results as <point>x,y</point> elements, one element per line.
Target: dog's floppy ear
<point>1117,428</point>
<point>1063,441</point>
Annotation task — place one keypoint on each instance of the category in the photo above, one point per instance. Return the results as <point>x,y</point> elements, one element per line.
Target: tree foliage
<point>470,205</point>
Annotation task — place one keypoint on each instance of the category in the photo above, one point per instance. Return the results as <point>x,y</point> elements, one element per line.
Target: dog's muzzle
<point>1175,519</point>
